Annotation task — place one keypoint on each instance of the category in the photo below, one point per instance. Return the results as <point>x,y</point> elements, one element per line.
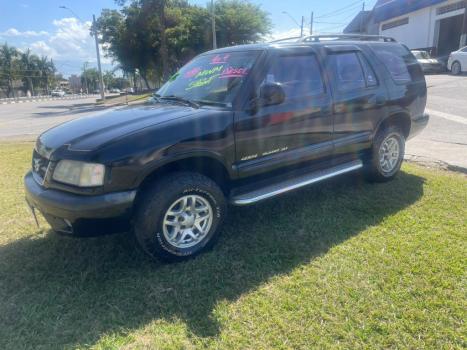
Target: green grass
<point>344,264</point>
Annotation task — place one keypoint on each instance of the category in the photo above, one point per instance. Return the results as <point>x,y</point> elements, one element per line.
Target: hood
<point>94,131</point>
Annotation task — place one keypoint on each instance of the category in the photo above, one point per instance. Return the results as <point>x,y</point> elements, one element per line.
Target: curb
<point>434,163</point>
<point>42,99</point>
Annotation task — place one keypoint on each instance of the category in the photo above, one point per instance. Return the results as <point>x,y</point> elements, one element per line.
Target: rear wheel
<point>179,216</point>
<point>456,68</point>
<point>387,154</point>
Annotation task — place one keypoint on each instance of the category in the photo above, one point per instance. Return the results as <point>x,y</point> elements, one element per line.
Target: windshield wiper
<point>156,97</point>
<point>181,99</point>
<point>213,103</point>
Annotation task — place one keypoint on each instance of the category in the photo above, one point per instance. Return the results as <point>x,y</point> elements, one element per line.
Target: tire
<point>383,165</point>
<point>160,234</point>
<point>456,68</point>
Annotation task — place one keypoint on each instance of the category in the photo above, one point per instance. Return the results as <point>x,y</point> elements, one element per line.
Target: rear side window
<point>368,71</point>
<point>399,61</point>
<point>348,71</point>
<point>299,75</point>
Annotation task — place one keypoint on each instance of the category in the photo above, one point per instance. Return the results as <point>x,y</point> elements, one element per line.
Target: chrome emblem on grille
<point>37,165</point>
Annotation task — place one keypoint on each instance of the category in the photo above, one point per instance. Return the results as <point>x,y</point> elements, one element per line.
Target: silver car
<point>428,63</point>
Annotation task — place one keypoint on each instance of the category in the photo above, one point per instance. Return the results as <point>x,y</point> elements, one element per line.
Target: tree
<point>153,38</point>
<point>34,72</point>
<point>8,61</point>
<point>90,79</point>
<point>47,71</point>
<point>109,79</point>
<point>240,22</point>
<point>189,34</point>
<point>29,65</point>
<point>121,83</point>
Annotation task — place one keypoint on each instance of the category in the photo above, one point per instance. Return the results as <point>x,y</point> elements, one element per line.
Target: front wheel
<point>456,68</point>
<point>387,154</point>
<point>179,216</point>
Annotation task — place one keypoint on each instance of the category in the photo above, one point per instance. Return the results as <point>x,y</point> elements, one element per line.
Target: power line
<point>327,22</point>
<point>352,15</point>
<point>342,10</point>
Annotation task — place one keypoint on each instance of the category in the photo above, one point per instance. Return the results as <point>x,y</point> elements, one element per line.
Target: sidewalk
<point>443,143</point>
<point>124,99</point>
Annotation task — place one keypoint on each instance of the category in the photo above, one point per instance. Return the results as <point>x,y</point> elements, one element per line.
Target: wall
<point>421,30</point>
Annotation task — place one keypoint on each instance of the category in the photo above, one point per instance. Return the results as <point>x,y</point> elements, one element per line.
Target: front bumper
<point>433,68</point>
<point>418,124</point>
<point>81,215</point>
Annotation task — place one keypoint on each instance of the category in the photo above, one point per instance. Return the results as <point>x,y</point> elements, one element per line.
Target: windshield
<point>211,79</point>
<point>421,54</point>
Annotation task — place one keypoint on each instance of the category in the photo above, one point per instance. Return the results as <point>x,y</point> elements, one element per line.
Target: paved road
<point>445,138</point>
<point>27,120</point>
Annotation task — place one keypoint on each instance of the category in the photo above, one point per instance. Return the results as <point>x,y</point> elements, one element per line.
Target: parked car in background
<point>115,91</point>
<point>457,62</point>
<point>428,63</point>
<point>58,93</point>
<point>236,125</point>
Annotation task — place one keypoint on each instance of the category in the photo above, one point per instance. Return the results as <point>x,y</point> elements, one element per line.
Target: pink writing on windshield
<point>232,72</point>
<point>220,59</point>
<point>192,72</point>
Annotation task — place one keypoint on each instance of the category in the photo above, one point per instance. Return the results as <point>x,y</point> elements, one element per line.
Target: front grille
<point>39,166</point>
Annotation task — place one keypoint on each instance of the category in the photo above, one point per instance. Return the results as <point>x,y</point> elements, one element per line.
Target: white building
<point>433,25</point>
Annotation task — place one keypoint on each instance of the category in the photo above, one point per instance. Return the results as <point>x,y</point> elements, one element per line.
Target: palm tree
<point>28,64</point>
<point>8,55</point>
<point>47,69</point>
<point>90,77</point>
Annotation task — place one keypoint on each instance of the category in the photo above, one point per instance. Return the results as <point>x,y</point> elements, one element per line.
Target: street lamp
<point>72,12</point>
<point>94,32</point>
<point>213,25</point>
<point>293,19</point>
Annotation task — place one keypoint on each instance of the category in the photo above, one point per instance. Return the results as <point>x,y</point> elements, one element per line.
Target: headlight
<point>79,173</point>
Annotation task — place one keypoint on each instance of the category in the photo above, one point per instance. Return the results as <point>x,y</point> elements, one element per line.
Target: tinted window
<point>464,49</point>
<point>300,76</point>
<point>368,71</point>
<point>399,61</point>
<point>347,71</point>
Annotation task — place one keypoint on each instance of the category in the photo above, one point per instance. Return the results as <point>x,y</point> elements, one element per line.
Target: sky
<point>63,35</point>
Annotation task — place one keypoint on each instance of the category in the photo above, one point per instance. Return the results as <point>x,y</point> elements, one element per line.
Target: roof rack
<point>297,38</point>
<point>362,37</point>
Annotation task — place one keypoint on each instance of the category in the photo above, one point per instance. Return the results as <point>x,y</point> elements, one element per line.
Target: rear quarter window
<point>399,61</point>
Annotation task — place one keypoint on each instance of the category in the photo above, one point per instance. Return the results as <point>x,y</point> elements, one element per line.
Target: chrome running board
<point>292,184</point>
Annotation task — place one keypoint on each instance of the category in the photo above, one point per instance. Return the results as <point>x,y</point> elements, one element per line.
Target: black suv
<point>236,125</point>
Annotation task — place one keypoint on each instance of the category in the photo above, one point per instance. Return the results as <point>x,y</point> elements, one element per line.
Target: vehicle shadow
<point>65,292</point>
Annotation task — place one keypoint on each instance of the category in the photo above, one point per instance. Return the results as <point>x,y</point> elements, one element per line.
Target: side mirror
<point>271,94</point>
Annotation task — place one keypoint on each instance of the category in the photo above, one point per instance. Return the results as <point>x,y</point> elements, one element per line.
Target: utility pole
<point>101,79</point>
<point>311,23</point>
<point>463,41</point>
<point>85,67</point>
<point>361,18</point>
<point>301,27</point>
<point>94,32</point>
<point>213,25</point>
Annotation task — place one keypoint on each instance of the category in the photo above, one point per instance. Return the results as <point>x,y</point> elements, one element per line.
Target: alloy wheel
<point>389,153</point>
<point>187,221</point>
